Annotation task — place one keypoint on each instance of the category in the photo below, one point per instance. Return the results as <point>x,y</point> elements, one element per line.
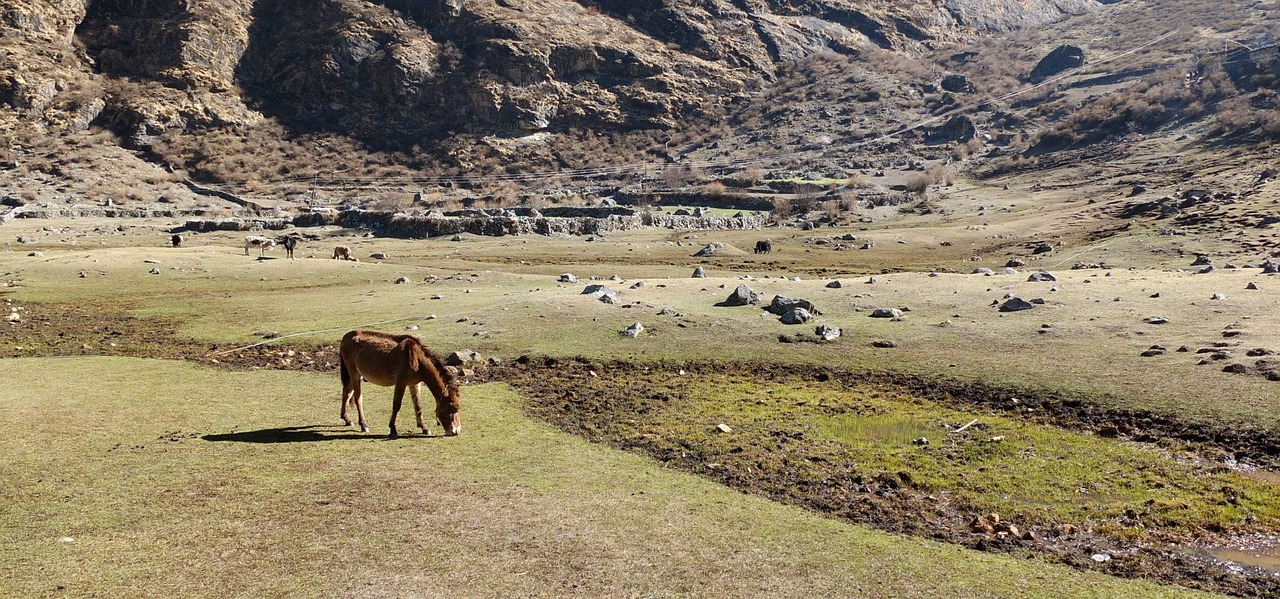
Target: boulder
<point>1060,59</point>
<point>1043,248</point>
<point>741,296</point>
<point>568,278</point>
<point>983,271</point>
<point>699,273</point>
<point>1016,304</point>
<point>886,313</point>
<point>827,332</point>
<point>796,315</point>
<point>461,357</point>
<point>609,297</point>
<point>834,285</point>
<point>1015,263</point>
<point>1202,260</point>
<point>956,84</point>
<point>596,289</point>
<point>709,250</point>
<point>632,331</point>
<point>782,305</point>
<point>1155,320</point>
<point>1041,276</point>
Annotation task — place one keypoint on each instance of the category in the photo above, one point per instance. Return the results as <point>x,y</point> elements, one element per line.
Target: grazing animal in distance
<point>400,361</point>
<point>341,252</point>
<point>262,243</point>
<point>764,246</point>
<point>176,240</point>
<point>289,242</point>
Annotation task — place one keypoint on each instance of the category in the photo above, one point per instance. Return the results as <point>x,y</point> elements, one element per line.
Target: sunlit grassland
<point>138,478</point>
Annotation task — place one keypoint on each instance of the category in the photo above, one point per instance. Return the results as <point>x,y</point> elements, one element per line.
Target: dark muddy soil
<point>783,467</point>
<point>600,401</point>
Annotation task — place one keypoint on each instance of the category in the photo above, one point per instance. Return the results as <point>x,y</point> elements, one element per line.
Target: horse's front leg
<point>415,392</point>
<point>396,402</point>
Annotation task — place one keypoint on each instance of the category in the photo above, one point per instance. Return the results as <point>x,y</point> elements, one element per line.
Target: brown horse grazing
<point>388,359</point>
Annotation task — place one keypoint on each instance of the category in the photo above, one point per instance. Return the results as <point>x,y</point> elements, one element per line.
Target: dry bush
<point>918,184</point>
<point>714,189</point>
<point>782,209</point>
<point>853,181</point>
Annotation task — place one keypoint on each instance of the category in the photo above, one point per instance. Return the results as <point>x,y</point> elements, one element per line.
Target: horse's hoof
<point>364,429</point>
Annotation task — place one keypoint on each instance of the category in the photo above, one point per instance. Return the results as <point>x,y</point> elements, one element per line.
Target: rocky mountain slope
<point>120,101</point>
<point>401,70</point>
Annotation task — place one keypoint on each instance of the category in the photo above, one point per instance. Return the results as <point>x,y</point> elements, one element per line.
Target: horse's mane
<point>446,374</point>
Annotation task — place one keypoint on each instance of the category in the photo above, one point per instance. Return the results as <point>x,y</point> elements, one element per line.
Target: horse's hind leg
<point>414,391</point>
<point>351,394</point>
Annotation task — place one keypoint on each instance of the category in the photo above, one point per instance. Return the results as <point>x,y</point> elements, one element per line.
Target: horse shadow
<point>300,434</point>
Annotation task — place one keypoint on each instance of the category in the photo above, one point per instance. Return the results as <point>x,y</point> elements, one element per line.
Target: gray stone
<point>461,357</point>
<point>827,332</point>
<point>669,311</point>
<point>596,289</point>
<point>568,278</point>
<point>1043,248</point>
<point>610,297</point>
<point>1155,320</point>
<point>1206,270</point>
<point>378,256</point>
<point>1016,304</point>
<point>782,305</point>
<point>1251,285</point>
<point>639,285</point>
<point>834,285</point>
<point>401,280</point>
<point>633,331</point>
<point>741,296</point>
<point>796,316</point>
<point>984,271</point>
<point>886,313</point>
<point>1015,263</point>
<point>1202,260</point>
<point>699,273</point>
<point>1041,276</point>
<point>709,250</point>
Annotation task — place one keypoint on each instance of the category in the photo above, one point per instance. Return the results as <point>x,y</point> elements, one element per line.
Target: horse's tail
<point>342,370</point>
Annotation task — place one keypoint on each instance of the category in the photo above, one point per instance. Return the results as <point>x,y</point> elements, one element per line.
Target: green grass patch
<point>139,478</point>
<point>1034,474</point>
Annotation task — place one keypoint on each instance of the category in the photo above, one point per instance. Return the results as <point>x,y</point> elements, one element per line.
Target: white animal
<point>262,243</point>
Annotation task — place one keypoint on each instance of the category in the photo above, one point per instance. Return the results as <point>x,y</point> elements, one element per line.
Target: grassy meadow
<point>139,477</point>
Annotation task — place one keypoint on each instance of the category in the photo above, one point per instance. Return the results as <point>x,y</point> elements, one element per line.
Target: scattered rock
<point>1206,270</point>
<point>1202,260</point>
<point>883,343</point>
<point>1016,304</point>
<point>639,285</point>
<point>699,273</point>
<point>709,250</point>
<point>983,271</point>
<point>401,280</point>
<point>568,278</point>
<point>154,271</point>
<point>1101,557</point>
<point>827,332</point>
<point>1041,276</point>
<point>1015,263</point>
<point>886,313</point>
<point>782,305</point>
<point>834,285</point>
<point>461,357</point>
<point>633,331</point>
<point>610,298</point>
<point>668,311</point>
<point>1235,368</point>
<point>596,289</point>
<point>378,256</point>
<point>1155,320</point>
<point>1043,248</point>
<point>741,296</point>
<point>1218,296</point>
<point>796,315</point>
<point>724,428</point>
<point>1251,286</point>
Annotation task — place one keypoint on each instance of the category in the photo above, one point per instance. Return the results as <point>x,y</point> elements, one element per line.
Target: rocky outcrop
<point>410,69</point>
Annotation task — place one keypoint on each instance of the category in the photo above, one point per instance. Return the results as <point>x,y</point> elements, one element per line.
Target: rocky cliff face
<point>395,73</point>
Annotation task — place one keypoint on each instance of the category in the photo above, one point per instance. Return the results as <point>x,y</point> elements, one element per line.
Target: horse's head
<point>448,408</point>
